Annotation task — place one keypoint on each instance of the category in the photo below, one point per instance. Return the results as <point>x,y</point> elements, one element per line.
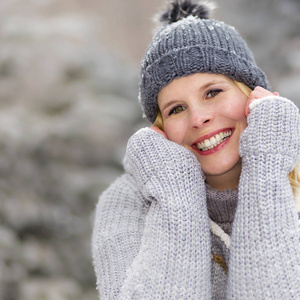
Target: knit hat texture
<point>191,43</point>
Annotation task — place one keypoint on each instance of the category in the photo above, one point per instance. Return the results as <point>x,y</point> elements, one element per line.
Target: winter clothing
<point>194,45</point>
<point>162,233</point>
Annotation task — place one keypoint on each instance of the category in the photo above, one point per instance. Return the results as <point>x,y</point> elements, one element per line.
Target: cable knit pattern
<point>151,237</point>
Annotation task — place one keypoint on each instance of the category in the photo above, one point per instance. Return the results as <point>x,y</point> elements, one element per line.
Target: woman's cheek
<point>235,111</point>
<point>175,131</point>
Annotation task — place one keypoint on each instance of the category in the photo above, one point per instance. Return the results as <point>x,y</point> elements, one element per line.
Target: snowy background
<point>68,103</point>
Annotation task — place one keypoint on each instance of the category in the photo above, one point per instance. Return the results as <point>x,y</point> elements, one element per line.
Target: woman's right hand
<point>149,151</point>
<point>155,128</point>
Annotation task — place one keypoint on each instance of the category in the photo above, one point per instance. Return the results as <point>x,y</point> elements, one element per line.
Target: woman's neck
<point>226,181</point>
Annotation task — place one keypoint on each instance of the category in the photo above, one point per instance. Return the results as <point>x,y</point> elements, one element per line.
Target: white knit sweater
<point>161,233</point>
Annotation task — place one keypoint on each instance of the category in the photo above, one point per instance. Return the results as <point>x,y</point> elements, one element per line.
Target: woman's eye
<point>213,93</point>
<point>176,110</point>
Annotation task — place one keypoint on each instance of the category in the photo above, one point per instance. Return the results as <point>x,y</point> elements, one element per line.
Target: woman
<point>205,209</point>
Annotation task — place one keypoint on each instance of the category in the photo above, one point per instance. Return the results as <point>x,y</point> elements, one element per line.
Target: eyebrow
<point>170,103</point>
<point>204,87</point>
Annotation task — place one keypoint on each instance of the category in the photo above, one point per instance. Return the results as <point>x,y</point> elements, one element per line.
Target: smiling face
<point>205,113</point>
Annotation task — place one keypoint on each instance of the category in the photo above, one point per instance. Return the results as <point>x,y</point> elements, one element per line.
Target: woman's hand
<point>155,128</point>
<point>149,151</point>
<point>273,127</point>
<point>258,93</point>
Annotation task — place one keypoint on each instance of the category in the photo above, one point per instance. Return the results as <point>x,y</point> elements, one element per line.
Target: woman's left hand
<point>258,93</point>
<point>273,127</point>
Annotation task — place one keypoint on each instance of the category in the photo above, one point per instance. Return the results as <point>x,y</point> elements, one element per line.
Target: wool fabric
<point>194,45</point>
<point>161,233</point>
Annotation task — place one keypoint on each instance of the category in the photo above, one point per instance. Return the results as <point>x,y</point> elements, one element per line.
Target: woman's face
<point>205,113</point>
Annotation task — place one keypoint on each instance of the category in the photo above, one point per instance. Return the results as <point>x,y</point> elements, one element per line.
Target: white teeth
<point>214,141</point>
<point>207,143</point>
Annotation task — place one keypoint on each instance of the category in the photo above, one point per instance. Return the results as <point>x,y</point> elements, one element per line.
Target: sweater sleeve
<point>169,257</point>
<point>265,249</point>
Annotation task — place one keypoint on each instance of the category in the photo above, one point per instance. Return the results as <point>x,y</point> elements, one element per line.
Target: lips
<point>213,142</point>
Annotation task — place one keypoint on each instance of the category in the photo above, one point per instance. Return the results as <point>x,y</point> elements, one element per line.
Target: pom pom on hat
<point>188,42</point>
<point>182,9</point>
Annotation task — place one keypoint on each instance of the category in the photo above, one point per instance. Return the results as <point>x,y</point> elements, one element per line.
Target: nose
<point>200,118</point>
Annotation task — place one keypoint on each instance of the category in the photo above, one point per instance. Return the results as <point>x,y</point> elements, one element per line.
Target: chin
<point>222,169</point>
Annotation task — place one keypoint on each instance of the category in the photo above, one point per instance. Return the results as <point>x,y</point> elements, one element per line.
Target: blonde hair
<point>294,176</point>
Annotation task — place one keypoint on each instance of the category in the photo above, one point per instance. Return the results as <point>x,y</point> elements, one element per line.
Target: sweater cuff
<point>257,101</point>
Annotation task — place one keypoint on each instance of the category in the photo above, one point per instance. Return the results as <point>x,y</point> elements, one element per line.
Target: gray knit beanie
<point>187,43</point>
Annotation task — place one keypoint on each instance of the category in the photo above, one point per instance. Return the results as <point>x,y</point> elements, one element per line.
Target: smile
<point>214,141</point>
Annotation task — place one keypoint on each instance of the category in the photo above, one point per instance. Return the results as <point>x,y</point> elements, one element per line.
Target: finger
<point>261,89</point>
<point>155,128</point>
<point>247,109</point>
<point>257,93</point>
